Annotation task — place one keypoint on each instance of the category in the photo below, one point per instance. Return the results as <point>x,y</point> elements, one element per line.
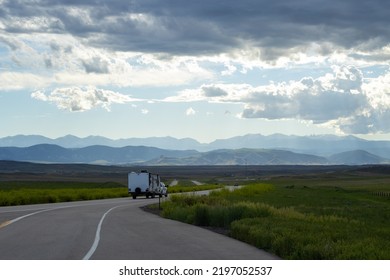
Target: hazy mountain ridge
<point>244,157</point>
<point>320,145</point>
<point>357,157</point>
<point>98,154</point>
<point>91,154</point>
<point>71,141</point>
<point>240,150</point>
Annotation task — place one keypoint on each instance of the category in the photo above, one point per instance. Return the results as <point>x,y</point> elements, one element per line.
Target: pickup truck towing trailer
<point>145,183</point>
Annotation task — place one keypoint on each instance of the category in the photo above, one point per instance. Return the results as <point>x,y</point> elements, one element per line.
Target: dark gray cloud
<point>96,65</point>
<point>213,91</point>
<point>196,27</point>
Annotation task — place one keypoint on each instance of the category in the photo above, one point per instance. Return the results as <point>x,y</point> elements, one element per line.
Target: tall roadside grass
<point>20,193</point>
<point>293,223</point>
<point>192,188</point>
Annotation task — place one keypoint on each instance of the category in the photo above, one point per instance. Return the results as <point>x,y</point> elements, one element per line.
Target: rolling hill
<point>243,157</point>
<point>357,157</point>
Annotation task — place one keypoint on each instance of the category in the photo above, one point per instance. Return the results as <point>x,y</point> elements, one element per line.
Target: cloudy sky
<point>202,69</point>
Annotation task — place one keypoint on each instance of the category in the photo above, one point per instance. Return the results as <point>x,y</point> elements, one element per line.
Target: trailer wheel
<point>153,195</point>
<point>137,192</point>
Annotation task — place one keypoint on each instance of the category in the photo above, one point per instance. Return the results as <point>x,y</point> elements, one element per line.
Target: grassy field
<point>296,212</point>
<point>25,192</point>
<point>188,186</point>
<point>326,216</point>
<point>34,192</point>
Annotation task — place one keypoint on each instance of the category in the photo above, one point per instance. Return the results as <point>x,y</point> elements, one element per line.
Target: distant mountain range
<point>243,157</point>
<point>49,153</point>
<point>71,141</point>
<point>247,149</point>
<point>322,145</point>
<point>142,155</point>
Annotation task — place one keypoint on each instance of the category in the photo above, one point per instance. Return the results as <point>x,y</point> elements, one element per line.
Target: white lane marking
<point>97,235</point>
<point>18,210</point>
<point>7,223</point>
<point>60,205</point>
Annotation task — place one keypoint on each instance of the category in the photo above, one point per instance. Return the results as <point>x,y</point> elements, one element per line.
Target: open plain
<point>294,212</point>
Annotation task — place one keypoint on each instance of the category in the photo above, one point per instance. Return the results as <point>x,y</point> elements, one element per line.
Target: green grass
<point>192,188</point>
<point>20,193</point>
<point>299,218</point>
<point>34,192</point>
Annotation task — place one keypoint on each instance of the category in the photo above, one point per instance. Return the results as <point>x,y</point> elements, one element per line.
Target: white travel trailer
<point>145,183</point>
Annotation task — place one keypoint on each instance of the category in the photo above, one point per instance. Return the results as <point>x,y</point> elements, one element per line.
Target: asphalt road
<point>111,229</point>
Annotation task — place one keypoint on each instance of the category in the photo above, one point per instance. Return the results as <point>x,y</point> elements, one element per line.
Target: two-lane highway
<point>110,229</point>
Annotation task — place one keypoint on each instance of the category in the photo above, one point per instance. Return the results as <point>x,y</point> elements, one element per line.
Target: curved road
<point>110,229</point>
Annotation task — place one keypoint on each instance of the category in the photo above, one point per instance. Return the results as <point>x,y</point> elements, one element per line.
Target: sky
<point>208,70</point>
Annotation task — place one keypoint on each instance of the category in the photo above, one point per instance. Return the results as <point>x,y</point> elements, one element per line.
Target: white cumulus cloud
<point>190,112</point>
<point>77,99</point>
<point>343,99</point>
<point>319,100</point>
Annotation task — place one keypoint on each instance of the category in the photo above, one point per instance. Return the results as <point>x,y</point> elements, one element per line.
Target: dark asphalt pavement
<point>111,229</point>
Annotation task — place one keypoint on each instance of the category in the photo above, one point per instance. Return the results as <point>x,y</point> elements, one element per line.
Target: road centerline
<point>97,235</point>
<point>7,223</point>
<point>41,210</point>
